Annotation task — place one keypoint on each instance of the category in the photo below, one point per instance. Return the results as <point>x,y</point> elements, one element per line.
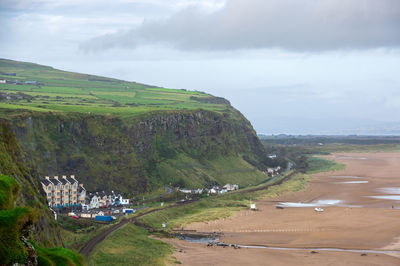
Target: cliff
<point>136,154</point>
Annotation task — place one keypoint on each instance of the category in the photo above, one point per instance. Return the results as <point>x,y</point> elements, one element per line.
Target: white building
<point>94,202</point>
<point>124,201</point>
<point>230,187</point>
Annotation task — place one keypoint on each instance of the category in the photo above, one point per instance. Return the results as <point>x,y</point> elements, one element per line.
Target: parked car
<point>116,211</point>
<point>75,216</point>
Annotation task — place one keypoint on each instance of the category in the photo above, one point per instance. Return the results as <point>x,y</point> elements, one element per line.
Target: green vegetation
<point>131,245</point>
<point>75,233</point>
<point>62,91</point>
<point>12,221</point>
<point>335,148</point>
<point>57,256</point>
<point>183,171</point>
<point>317,165</point>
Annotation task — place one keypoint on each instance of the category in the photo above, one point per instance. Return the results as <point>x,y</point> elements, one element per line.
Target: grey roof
<point>71,180</point>
<point>63,180</point>
<point>45,182</point>
<point>54,181</point>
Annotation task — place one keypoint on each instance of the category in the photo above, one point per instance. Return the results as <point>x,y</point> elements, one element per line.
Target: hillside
<point>42,88</point>
<point>126,136</point>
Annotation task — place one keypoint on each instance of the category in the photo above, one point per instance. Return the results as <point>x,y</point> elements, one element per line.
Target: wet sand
<point>351,220</point>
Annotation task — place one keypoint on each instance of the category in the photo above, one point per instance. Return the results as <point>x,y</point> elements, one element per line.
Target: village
<point>67,197</point>
<point>65,194</point>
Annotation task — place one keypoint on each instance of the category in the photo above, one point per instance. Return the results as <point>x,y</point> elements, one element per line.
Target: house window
<point>74,198</point>
<point>58,187</point>
<point>58,193</point>
<point>66,187</point>
<point>66,193</point>
<point>75,184</point>
<point>49,187</point>
<point>74,192</point>
<point>49,194</point>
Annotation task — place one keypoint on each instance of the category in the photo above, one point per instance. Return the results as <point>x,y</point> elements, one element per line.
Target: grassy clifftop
<point>45,89</point>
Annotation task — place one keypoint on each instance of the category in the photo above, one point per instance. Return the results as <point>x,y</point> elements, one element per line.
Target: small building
<point>31,82</point>
<point>124,202</point>
<point>86,215</point>
<point>94,202</point>
<point>230,187</point>
<point>185,190</point>
<point>3,81</point>
<point>271,156</point>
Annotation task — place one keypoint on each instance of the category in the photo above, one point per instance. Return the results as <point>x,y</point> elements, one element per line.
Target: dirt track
<point>353,221</point>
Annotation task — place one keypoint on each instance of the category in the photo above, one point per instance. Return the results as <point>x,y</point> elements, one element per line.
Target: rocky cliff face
<point>125,154</point>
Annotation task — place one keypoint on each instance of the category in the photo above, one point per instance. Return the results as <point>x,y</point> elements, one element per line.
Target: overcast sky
<point>290,66</point>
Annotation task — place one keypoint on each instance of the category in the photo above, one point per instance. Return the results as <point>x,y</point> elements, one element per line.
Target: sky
<point>290,66</point>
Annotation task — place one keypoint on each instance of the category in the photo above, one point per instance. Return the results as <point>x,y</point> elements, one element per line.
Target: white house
<point>230,187</point>
<point>185,190</point>
<point>124,201</point>
<point>3,81</point>
<point>94,202</point>
<point>213,191</point>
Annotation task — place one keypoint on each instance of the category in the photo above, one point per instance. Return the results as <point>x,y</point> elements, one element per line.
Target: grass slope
<point>317,165</point>
<point>62,91</point>
<point>130,245</point>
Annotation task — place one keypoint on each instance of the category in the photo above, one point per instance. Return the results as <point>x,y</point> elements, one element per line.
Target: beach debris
<point>318,209</point>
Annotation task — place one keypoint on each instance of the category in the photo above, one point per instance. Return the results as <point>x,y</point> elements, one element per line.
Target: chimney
<point>46,177</point>
<point>56,177</point>
<point>73,176</point>
<point>64,176</point>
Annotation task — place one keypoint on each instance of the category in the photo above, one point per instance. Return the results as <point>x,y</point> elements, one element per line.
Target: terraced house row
<point>63,191</point>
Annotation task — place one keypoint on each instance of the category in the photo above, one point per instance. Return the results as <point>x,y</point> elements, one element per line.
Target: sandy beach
<point>361,211</point>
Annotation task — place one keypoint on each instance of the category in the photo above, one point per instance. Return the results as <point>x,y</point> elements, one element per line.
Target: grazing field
<point>41,88</point>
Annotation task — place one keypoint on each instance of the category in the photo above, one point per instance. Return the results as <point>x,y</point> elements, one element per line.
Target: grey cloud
<point>307,25</point>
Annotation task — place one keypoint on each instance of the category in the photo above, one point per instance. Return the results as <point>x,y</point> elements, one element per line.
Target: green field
<point>130,245</point>
<point>317,165</point>
<point>62,91</point>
